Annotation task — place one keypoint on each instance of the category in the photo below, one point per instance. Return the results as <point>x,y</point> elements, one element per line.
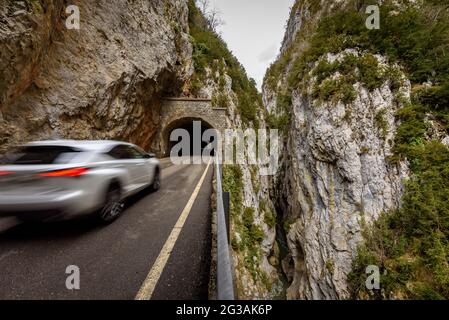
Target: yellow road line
<point>148,286</point>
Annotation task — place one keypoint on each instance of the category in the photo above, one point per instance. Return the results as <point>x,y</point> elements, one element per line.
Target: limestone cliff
<point>336,176</point>
<point>99,82</point>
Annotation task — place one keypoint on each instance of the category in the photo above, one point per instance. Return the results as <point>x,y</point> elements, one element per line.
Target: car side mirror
<point>150,156</point>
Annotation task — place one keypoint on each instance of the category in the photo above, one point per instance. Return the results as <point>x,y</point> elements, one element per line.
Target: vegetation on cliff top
<point>416,38</point>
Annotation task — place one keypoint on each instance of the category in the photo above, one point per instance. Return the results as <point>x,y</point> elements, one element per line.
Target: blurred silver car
<point>54,180</point>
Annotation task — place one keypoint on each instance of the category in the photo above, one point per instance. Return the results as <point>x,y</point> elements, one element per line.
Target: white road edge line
<point>148,286</point>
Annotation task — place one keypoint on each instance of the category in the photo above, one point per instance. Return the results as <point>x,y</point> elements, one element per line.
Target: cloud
<point>268,54</point>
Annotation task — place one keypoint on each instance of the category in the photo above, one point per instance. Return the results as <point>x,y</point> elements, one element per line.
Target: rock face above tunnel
<point>100,82</point>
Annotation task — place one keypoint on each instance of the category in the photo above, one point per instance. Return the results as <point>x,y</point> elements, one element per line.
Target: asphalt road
<point>115,260</point>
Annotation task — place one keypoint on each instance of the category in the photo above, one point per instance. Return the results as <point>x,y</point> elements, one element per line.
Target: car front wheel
<point>156,182</point>
<point>113,206</point>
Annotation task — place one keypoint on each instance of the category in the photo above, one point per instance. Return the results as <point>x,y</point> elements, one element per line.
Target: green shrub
<point>233,183</point>
<point>381,123</point>
<point>369,72</point>
<point>220,101</point>
<point>335,90</point>
<point>437,100</point>
<point>411,244</point>
<point>325,69</point>
<point>248,217</point>
<point>269,216</point>
<point>253,231</point>
<point>257,235</point>
<point>236,245</point>
<point>412,130</point>
<point>270,219</point>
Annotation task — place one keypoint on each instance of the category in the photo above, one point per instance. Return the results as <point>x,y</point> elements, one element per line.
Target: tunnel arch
<point>175,112</point>
<point>185,123</point>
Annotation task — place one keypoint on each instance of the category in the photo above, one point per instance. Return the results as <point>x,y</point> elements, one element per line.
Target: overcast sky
<point>254,30</point>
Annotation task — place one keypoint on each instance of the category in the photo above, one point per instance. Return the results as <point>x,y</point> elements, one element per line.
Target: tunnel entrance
<point>195,129</point>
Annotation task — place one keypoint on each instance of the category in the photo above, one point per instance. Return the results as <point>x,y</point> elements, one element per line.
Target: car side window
<point>121,152</point>
<point>138,154</point>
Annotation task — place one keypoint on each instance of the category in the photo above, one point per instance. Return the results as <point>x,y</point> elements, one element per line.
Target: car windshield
<point>40,155</point>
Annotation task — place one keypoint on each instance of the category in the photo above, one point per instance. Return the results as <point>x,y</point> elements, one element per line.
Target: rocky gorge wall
<point>336,177</point>
<point>100,82</point>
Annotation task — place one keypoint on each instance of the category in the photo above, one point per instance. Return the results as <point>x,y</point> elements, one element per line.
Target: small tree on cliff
<point>212,15</point>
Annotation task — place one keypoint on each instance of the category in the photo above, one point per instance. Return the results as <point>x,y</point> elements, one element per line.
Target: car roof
<point>87,145</point>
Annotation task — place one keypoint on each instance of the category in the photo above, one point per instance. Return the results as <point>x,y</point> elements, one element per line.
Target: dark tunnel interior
<point>195,128</point>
